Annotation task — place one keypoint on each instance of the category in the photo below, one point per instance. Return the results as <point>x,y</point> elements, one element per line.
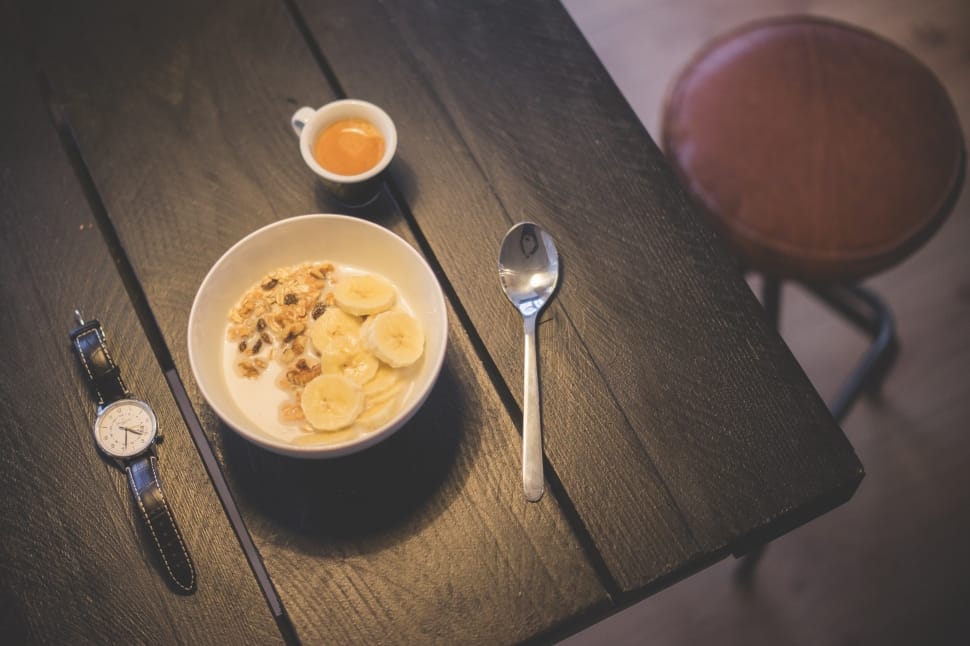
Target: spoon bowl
<point>528,269</point>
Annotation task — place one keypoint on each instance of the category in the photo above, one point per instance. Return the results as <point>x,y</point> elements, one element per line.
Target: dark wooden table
<point>139,141</point>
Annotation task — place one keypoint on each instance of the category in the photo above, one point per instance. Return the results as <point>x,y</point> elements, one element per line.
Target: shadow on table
<point>408,478</point>
<point>383,210</point>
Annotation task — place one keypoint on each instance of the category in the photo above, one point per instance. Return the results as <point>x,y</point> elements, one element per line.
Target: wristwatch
<point>125,430</point>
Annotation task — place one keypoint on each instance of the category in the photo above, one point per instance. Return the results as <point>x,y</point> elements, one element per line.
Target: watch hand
<point>131,430</point>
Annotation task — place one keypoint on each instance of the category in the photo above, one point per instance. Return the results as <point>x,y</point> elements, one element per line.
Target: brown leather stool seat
<point>822,152</point>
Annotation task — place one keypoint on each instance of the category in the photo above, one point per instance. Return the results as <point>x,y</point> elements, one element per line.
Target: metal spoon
<point>528,268</point>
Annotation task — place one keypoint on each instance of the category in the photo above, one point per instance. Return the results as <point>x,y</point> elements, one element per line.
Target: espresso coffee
<point>349,147</point>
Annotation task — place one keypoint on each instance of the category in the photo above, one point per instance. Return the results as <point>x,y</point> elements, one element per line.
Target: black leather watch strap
<point>158,517</point>
<point>103,375</point>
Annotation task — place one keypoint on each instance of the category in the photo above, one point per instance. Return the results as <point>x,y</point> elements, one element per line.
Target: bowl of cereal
<point>318,335</point>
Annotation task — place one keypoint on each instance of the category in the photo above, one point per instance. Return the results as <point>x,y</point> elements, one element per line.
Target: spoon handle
<point>532,481</point>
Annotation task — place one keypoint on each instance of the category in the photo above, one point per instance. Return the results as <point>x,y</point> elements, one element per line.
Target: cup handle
<point>300,119</point>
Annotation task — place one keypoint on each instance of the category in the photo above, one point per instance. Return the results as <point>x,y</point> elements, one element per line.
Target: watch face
<point>125,428</point>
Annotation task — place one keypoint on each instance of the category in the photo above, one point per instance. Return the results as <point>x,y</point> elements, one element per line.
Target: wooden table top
<point>140,142</point>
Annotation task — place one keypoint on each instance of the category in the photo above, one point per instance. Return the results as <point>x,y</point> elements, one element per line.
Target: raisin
<point>257,346</point>
<point>261,324</point>
<point>266,338</point>
<point>242,345</point>
<point>290,299</point>
<point>270,284</point>
<point>318,311</point>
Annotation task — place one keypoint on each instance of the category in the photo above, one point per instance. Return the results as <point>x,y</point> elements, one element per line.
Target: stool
<point>822,154</point>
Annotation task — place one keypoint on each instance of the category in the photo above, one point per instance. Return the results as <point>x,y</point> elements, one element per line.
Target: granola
<point>270,322</point>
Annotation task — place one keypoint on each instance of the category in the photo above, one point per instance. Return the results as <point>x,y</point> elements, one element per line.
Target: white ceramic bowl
<point>345,241</point>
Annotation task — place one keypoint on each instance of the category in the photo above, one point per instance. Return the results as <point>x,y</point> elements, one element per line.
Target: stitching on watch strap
<point>152,462</point>
<point>151,528</point>
<point>84,358</point>
<point>99,335</point>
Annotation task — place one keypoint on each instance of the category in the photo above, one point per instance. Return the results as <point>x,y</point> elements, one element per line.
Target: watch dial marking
<point>125,428</point>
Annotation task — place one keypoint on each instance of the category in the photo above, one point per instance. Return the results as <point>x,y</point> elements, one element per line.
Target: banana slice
<point>366,326</point>
<point>384,379</point>
<point>332,402</point>
<point>378,414</point>
<point>323,438</point>
<point>335,333</point>
<point>363,295</point>
<point>395,338</point>
<point>390,394</point>
<point>360,367</point>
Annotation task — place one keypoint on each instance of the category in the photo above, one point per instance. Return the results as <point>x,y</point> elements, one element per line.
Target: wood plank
<point>452,195</point>
<point>658,367</point>
<point>426,536</point>
<point>76,565</point>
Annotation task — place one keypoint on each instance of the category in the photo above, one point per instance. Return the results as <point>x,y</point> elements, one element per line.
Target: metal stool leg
<point>868,312</point>
<point>771,299</point>
<point>747,564</point>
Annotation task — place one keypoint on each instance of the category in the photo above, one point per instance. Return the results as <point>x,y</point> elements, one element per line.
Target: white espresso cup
<point>352,190</point>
